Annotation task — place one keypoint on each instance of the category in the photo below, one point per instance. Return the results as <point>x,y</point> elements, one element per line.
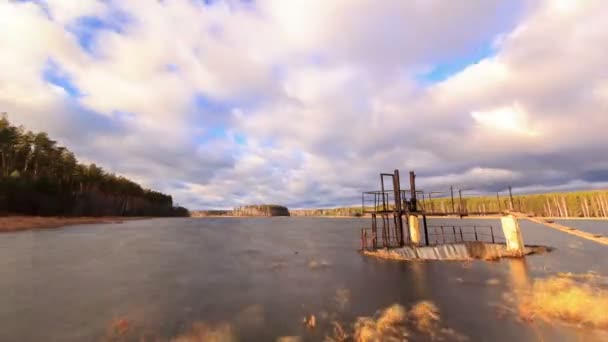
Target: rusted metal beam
<point>398,210</point>
<point>413,204</point>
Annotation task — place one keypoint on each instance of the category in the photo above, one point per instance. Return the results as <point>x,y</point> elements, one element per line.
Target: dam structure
<point>400,228</point>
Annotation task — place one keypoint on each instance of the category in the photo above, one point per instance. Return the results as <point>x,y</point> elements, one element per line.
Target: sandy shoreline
<point>20,223</point>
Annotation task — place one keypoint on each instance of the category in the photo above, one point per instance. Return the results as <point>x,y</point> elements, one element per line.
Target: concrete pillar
<point>414,225</point>
<point>510,227</point>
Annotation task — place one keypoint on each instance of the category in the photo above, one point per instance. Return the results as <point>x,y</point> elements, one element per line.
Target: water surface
<point>260,275</point>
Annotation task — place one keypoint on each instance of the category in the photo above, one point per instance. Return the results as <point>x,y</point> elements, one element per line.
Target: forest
<point>39,177</point>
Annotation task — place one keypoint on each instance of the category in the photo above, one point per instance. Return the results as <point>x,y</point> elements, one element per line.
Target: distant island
<point>258,210</point>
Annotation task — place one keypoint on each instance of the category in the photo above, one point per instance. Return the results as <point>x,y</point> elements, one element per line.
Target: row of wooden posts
<point>595,206</point>
<point>552,206</point>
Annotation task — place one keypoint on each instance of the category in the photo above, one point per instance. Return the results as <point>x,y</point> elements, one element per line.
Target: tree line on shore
<point>261,210</point>
<point>591,204</point>
<point>248,210</point>
<point>39,177</point>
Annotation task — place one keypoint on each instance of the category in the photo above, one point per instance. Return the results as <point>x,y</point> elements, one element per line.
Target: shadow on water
<point>258,280</point>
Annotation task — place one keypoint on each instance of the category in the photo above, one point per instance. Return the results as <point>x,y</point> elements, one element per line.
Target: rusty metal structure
<point>391,207</point>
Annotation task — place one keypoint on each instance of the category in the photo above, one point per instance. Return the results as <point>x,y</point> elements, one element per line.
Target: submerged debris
<point>310,321</point>
<point>493,281</point>
<point>342,298</point>
<point>314,264</point>
<point>251,316</point>
<point>117,329</point>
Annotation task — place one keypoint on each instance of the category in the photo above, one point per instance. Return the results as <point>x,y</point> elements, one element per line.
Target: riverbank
<point>20,223</point>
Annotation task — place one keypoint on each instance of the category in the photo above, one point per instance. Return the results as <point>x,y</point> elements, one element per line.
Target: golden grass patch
<point>396,323</point>
<point>577,299</point>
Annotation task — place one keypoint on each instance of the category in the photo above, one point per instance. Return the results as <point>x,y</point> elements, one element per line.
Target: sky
<point>305,102</point>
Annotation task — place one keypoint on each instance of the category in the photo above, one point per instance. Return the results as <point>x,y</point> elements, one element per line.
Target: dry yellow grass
<point>388,326</point>
<point>425,316</point>
<point>573,299</point>
<point>396,323</point>
<point>313,264</point>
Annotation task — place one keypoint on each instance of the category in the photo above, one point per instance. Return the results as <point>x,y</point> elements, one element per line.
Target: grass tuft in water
<point>577,299</point>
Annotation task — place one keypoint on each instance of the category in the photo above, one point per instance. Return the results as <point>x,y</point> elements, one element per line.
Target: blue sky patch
<point>172,68</point>
<point>240,139</point>
<point>54,74</point>
<point>212,106</point>
<point>445,70</point>
<point>86,29</point>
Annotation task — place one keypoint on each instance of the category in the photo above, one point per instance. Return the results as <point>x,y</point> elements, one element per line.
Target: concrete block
<point>512,231</point>
<point>414,225</point>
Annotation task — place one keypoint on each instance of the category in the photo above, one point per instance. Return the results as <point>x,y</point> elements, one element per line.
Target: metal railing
<point>381,201</point>
<point>434,235</point>
<point>379,238</point>
<point>452,234</point>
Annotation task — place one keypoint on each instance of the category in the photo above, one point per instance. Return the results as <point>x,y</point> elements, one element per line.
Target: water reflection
<point>519,273</point>
<point>418,281</point>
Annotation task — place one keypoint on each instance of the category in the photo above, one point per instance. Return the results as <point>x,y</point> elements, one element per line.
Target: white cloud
<point>509,119</point>
<point>325,94</point>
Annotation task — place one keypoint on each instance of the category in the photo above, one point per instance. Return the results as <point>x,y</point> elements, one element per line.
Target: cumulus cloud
<point>303,103</point>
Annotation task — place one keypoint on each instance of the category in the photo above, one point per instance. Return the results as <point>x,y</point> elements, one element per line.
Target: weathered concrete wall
<point>452,252</point>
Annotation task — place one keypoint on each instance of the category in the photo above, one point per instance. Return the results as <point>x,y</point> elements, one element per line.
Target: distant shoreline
<point>16,223</point>
<point>486,217</point>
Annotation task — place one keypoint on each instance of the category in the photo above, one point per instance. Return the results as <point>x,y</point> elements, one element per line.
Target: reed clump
<point>388,325</point>
<point>573,299</point>
<point>396,323</point>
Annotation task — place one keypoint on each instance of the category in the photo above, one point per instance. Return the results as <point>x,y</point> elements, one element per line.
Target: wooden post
<point>452,194</point>
<point>595,208</point>
<point>498,201</point>
<point>582,206</point>
<point>559,208</point>
<point>460,208</point>
<point>382,188</point>
<point>414,207</point>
